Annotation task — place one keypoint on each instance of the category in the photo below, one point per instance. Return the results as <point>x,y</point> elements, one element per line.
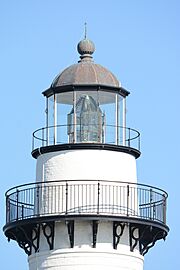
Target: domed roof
<point>85,71</point>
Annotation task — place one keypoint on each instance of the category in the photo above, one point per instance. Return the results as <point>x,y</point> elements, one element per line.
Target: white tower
<point>86,209</point>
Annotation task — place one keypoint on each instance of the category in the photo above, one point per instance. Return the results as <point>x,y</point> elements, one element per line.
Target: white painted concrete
<point>86,164</point>
<point>85,259</point>
<point>83,256</point>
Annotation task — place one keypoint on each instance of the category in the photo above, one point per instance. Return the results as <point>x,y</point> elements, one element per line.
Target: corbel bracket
<point>70,227</point>
<point>48,231</point>
<point>118,229</point>
<point>94,231</point>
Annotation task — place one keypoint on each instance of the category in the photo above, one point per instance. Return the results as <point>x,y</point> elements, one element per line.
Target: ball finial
<point>85,47</point>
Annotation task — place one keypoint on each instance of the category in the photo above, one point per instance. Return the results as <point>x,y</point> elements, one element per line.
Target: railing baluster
<point>17,202</point>
<point>7,209</point>
<point>42,136</point>
<point>129,136</point>
<point>37,201</point>
<point>127,200</point>
<point>66,198</point>
<point>33,139</point>
<point>98,198</point>
<point>139,143</point>
<point>151,199</point>
<point>164,209</point>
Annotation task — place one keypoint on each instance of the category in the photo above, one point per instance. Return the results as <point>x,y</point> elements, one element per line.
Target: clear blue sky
<point>139,41</point>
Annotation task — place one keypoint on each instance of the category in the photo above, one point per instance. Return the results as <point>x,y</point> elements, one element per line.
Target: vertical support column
<point>74,120</point>
<point>124,121</point>
<point>117,120</point>
<point>55,120</point>
<point>47,122</point>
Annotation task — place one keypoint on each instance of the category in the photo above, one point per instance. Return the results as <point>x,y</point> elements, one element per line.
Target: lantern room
<point>86,104</point>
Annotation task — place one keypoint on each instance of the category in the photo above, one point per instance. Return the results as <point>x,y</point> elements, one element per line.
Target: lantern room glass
<point>86,117</point>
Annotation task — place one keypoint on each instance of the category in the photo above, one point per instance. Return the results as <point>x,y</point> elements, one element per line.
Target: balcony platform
<point>37,206</point>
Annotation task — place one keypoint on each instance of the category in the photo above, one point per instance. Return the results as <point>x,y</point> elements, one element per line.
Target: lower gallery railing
<point>83,197</point>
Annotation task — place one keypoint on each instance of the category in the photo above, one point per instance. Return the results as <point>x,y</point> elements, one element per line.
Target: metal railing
<point>111,134</point>
<point>86,197</point>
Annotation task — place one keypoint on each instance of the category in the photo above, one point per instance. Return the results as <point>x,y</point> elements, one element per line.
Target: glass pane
<point>50,131</point>
<point>85,119</point>
<point>108,108</point>
<point>64,105</point>
<point>120,122</point>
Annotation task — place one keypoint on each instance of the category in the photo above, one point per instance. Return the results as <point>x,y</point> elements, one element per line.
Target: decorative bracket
<point>35,237</point>
<point>145,236</point>
<point>70,226</point>
<point>118,229</point>
<point>155,235</point>
<point>94,230</point>
<point>48,231</point>
<point>134,234</point>
<point>24,240</point>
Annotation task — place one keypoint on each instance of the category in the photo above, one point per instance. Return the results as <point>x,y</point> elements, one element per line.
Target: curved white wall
<point>96,260</point>
<point>86,164</point>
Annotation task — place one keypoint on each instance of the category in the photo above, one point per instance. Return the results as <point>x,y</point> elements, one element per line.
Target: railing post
<point>32,142</point>
<point>7,209</point>
<point>47,136</point>
<point>17,206</point>
<point>127,200</point>
<point>129,136</point>
<point>164,208</point>
<point>139,142</point>
<point>151,207</point>
<point>37,202</point>
<point>42,136</point>
<point>66,198</point>
<point>98,198</point>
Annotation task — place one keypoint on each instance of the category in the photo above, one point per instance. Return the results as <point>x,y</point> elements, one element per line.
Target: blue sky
<point>139,41</point>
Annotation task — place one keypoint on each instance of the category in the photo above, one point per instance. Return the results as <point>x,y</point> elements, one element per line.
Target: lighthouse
<point>86,209</point>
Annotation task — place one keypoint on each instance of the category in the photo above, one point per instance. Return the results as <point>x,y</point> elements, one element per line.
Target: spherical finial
<point>85,48</point>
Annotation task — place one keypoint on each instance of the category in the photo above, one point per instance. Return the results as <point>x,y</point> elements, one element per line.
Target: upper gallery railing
<point>62,134</point>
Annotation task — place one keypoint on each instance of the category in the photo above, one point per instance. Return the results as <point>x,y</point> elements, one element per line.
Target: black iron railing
<point>83,197</point>
<point>60,134</point>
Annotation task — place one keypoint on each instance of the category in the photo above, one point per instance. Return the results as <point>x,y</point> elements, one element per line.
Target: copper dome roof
<point>85,71</point>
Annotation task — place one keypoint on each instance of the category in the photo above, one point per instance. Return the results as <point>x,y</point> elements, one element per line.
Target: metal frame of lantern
<point>94,91</point>
<point>113,134</point>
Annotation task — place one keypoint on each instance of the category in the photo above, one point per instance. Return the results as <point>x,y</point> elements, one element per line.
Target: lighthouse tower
<point>86,209</point>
